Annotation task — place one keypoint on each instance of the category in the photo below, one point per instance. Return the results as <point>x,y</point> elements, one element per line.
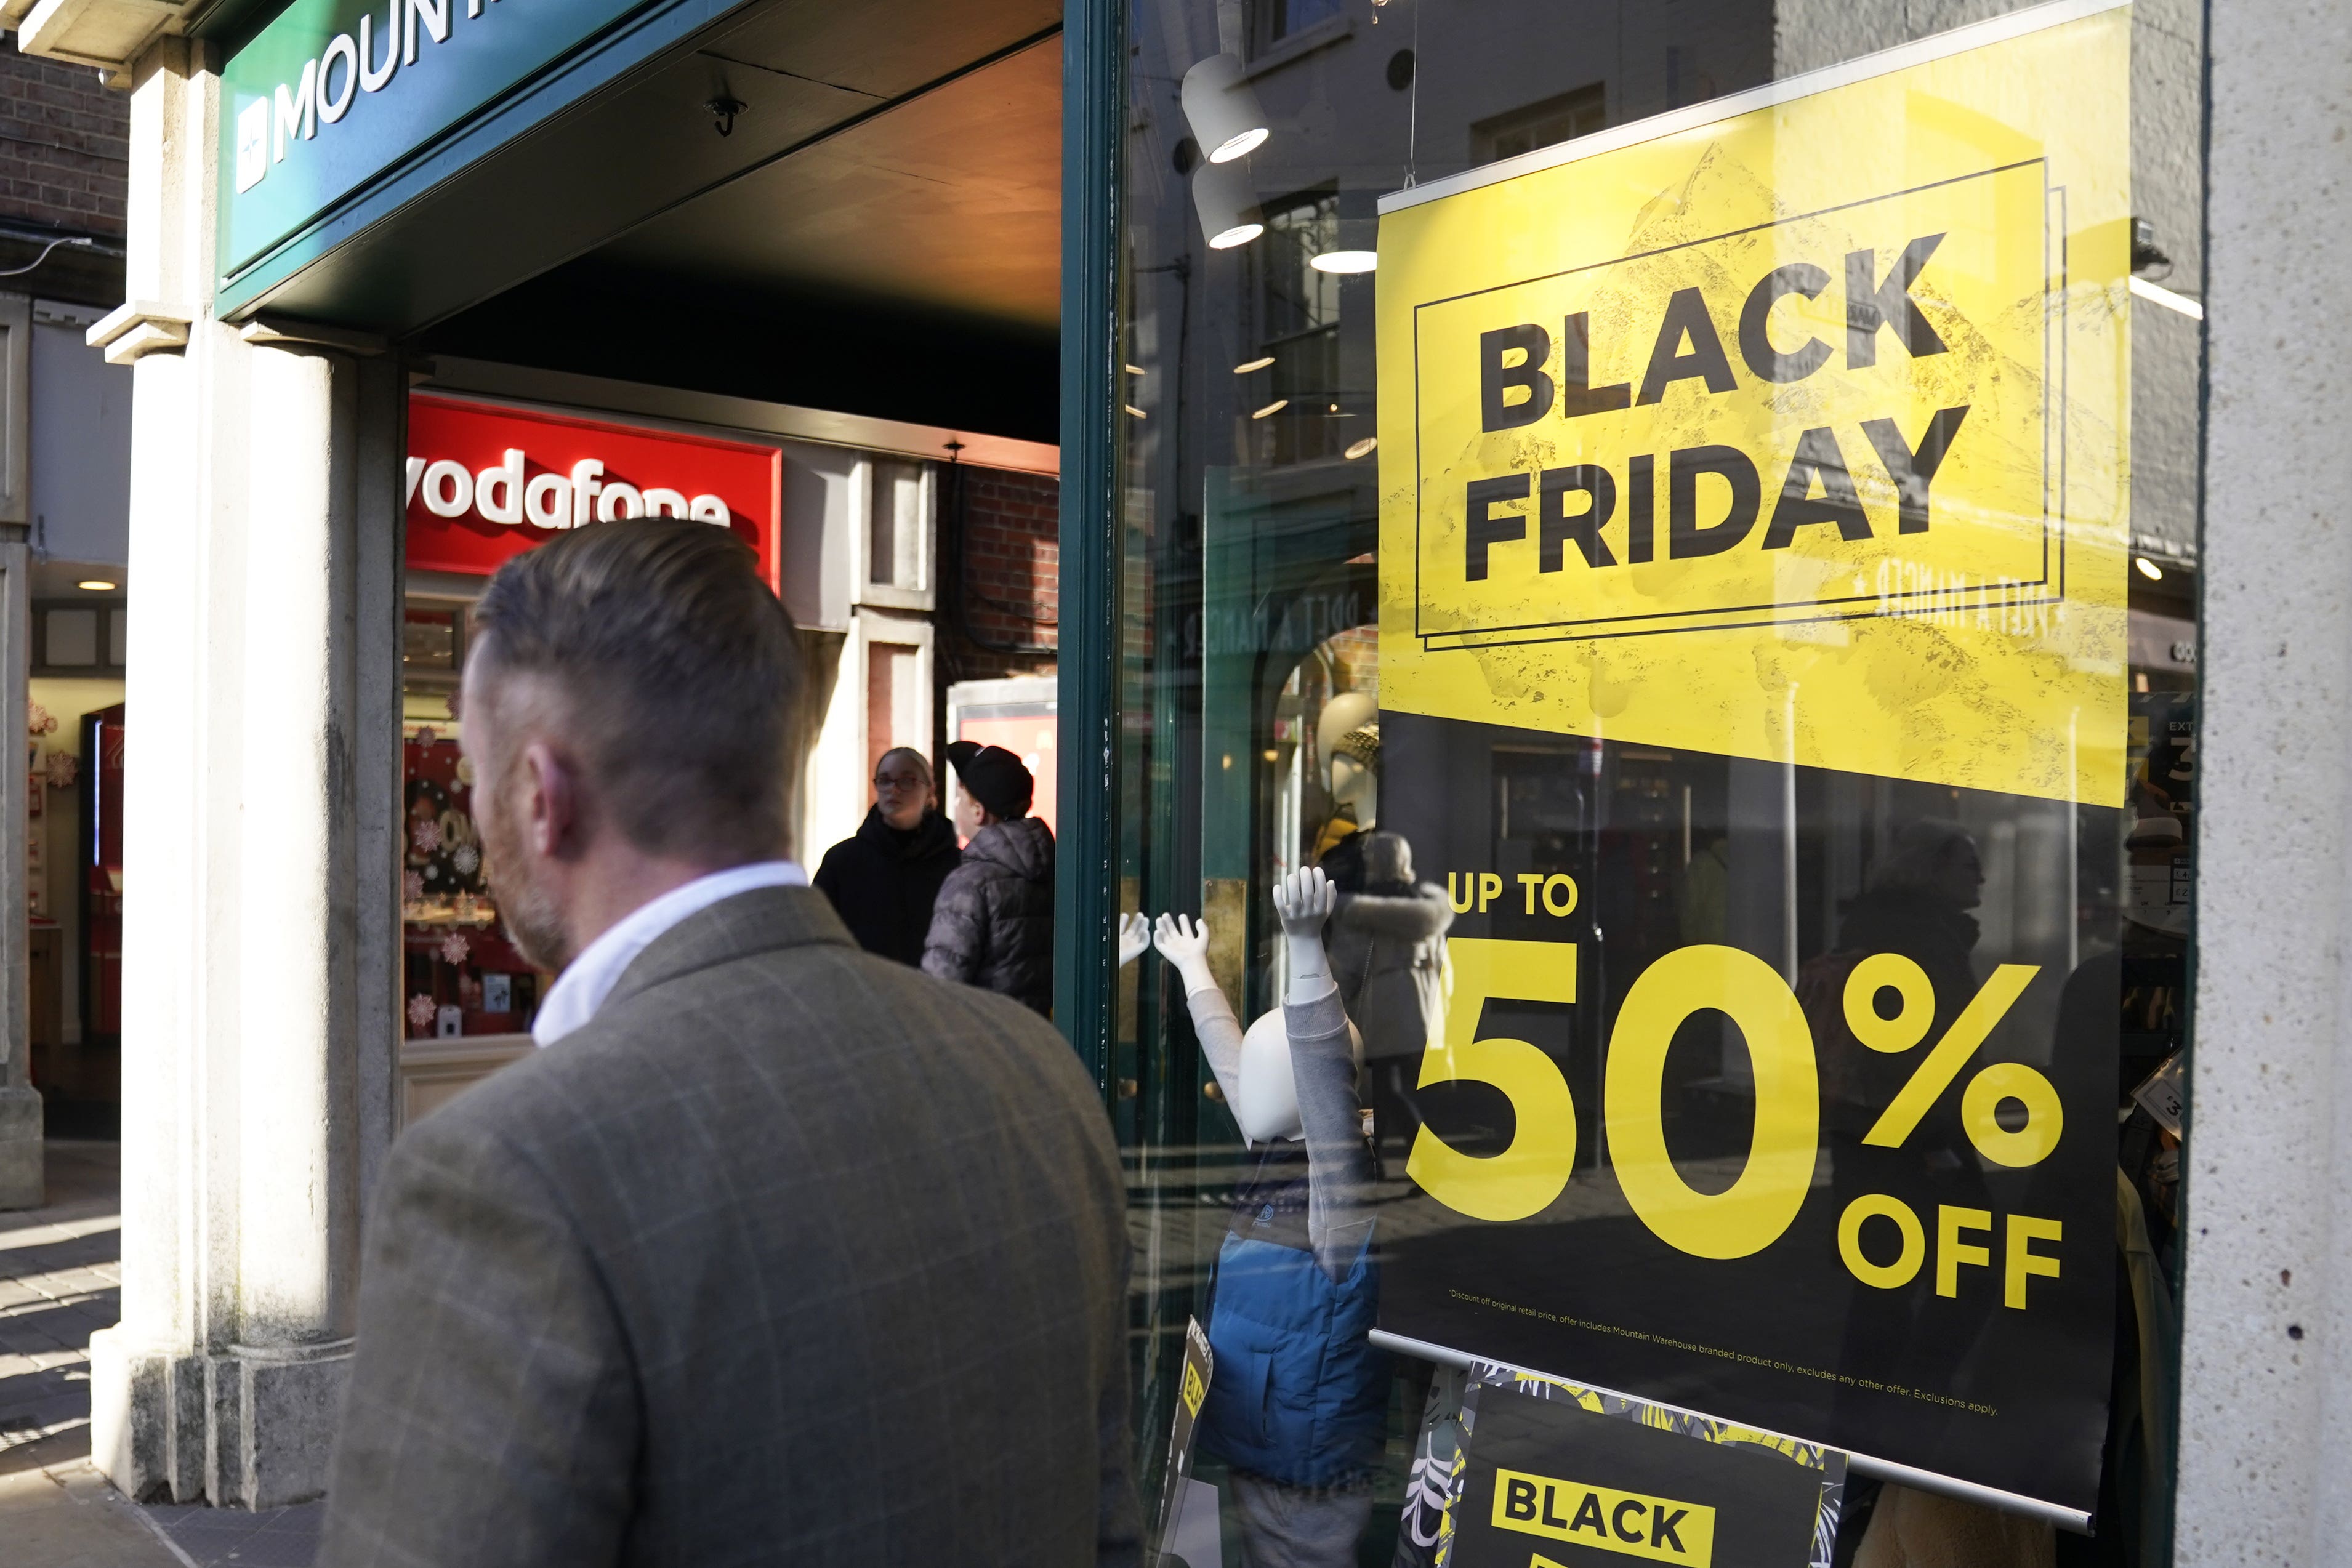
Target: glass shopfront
<point>1686,515</point>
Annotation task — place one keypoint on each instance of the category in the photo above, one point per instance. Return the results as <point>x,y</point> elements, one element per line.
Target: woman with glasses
<point>884,881</point>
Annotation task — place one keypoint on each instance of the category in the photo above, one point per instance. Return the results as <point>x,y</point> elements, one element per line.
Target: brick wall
<point>64,146</point>
<point>1012,564</point>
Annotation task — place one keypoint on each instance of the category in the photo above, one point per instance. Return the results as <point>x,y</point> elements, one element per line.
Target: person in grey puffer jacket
<point>1386,942</point>
<point>994,925</point>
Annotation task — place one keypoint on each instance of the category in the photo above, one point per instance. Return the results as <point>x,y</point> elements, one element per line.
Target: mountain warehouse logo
<point>1656,1528</point>
<point>331,82</point>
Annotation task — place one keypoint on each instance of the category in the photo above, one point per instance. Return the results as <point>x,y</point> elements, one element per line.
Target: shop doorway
<point>826,316</point>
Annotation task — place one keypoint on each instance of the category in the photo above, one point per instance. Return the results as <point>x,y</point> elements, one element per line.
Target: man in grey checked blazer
<point>780,1252</point>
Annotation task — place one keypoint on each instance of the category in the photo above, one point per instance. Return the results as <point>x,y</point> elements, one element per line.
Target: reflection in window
<point>429,639</point>
<point>1280,19</point>
<point>461,973</point>
<point>1252,742</point>
<point>1293,297</point>
<point>1298,324</point>
<point>1546,124</point>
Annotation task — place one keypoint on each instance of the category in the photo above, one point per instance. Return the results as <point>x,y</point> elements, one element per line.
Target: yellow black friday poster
<point>1798,435</point>
<point>1576,1477</point>
<point>1761,483</point>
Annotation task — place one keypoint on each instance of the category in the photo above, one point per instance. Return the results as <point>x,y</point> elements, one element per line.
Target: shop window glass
<point>1281,19</point>
<point>462,975</point>
<point>1306,407</point>
<point>1555,120</point>
<point>1722,613</point>
<point>73,638</point>
<point>429,641</point>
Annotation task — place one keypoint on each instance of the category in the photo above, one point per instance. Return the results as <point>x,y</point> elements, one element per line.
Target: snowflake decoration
<point>412,885</point>
<point>454,948</point>
<point>466,859</point>
<point>427,736</point>
<point>427,836</point>
<point>420,1011</point>
<point>38,720</point>
<point>64,769</point>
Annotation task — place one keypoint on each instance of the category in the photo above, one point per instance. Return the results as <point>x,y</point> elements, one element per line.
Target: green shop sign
<point>333,93</point>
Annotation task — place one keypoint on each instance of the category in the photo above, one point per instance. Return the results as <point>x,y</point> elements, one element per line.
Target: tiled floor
<point>60,1278</point>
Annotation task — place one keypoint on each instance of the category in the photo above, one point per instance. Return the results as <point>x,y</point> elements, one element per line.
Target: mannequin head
<point>1344,712</point>
<point>1388,860</point>
<point>1356,773</point>
<point>1267,1107</point>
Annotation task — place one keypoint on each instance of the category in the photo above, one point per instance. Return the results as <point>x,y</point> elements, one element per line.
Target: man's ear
<point>550,805</point>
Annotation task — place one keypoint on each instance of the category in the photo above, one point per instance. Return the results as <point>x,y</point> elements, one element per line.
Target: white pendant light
<point>1222,110</point>
<point>1223,195</point>
<point>1351,250</point>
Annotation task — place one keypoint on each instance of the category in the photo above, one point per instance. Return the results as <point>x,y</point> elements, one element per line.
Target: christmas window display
<point>463,977</point>
<point>38,722</point>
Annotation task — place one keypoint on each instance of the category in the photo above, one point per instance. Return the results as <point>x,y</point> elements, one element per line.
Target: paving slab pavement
<point>67,1516</point>
<point>60,1278</point>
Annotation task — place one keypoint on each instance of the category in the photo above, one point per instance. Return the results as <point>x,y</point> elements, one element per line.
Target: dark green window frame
<point>1093,91</point>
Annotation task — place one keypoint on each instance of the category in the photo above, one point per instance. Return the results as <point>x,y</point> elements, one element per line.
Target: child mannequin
<point>1298,1398</point>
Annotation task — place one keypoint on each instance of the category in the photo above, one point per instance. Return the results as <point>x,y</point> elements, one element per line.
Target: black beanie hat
<point>994,776</point>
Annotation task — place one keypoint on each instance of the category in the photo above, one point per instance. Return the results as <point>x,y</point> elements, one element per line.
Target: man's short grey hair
<point>679,671</point>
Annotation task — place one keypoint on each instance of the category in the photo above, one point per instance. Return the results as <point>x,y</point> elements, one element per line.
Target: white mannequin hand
<point>1134,936</point>
<point>1184,942</point>
<point>1304,900</point>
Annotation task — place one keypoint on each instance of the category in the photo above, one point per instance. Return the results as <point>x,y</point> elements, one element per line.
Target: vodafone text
<point>502,494</point>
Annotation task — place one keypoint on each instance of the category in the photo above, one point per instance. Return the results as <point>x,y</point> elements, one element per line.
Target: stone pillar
<point>2266,1302</point>
<point>260,936</point>
<point>20,1103</point>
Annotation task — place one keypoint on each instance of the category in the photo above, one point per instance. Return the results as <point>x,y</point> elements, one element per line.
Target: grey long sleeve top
<point>1323,1069</point>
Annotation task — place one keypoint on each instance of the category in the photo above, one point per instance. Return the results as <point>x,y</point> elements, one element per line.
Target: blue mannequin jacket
<point>1298,1395</point>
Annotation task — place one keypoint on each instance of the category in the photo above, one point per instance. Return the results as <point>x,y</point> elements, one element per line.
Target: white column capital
<point>107,35</point>
<point>138,328</point>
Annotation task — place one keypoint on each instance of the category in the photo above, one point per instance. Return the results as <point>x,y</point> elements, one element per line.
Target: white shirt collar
<point>589,979</point>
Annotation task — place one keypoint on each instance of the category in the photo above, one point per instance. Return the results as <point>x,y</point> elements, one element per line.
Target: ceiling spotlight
<point>1227,203</point>
<point>1223,112</point>
<point>1346,261</point>
<point>1136,411</point>
<point>1277,406</point>
<point>2149,568</point>
<point>1257,364</point>
<point>1364,448</point>
<point>96,585</point>
<point>1134,370</point>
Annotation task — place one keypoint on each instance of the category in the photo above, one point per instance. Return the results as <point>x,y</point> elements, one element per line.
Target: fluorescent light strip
<point>2155,295</point>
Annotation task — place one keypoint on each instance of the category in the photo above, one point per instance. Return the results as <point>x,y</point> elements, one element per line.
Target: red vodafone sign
<point>487,482</point>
